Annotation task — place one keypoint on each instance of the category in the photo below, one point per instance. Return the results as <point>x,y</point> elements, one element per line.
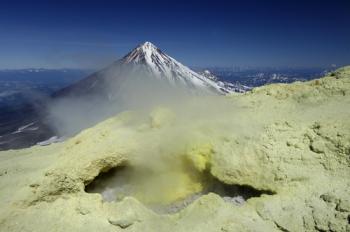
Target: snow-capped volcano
<point>151,62</point>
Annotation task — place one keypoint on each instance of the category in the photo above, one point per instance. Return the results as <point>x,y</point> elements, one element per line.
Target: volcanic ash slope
<point>291,142</point>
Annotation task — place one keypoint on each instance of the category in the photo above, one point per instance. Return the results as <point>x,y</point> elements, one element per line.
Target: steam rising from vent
<point>73,113</point>
<point>170,150</point>
<point>170,130</point>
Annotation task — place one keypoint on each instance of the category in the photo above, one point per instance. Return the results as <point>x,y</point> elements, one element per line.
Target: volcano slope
<point>287,143</point>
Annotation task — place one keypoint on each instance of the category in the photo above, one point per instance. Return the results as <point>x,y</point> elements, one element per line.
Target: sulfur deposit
<point>289,143</point>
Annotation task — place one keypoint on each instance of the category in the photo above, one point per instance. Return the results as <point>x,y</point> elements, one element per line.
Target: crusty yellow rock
<point>289,139</point>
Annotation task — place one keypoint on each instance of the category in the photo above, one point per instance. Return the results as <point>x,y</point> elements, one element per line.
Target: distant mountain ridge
<point>228,86</point>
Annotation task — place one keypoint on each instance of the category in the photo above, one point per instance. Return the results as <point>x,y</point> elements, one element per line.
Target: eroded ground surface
<point>287,146</point>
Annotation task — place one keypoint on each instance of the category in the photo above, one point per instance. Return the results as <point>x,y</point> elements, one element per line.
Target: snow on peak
<point>145,53</point>
<point>148,45</point>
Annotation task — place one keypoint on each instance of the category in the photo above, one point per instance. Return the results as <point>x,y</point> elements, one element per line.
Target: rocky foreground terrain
<point>286,146</point>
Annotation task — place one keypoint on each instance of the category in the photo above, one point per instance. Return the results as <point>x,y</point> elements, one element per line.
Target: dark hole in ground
<point>119,182</point>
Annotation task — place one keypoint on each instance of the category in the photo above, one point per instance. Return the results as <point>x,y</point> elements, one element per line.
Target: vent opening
<point>168,191</point>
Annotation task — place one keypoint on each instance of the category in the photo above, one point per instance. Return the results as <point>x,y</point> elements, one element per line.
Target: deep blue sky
<point>57,34</point>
